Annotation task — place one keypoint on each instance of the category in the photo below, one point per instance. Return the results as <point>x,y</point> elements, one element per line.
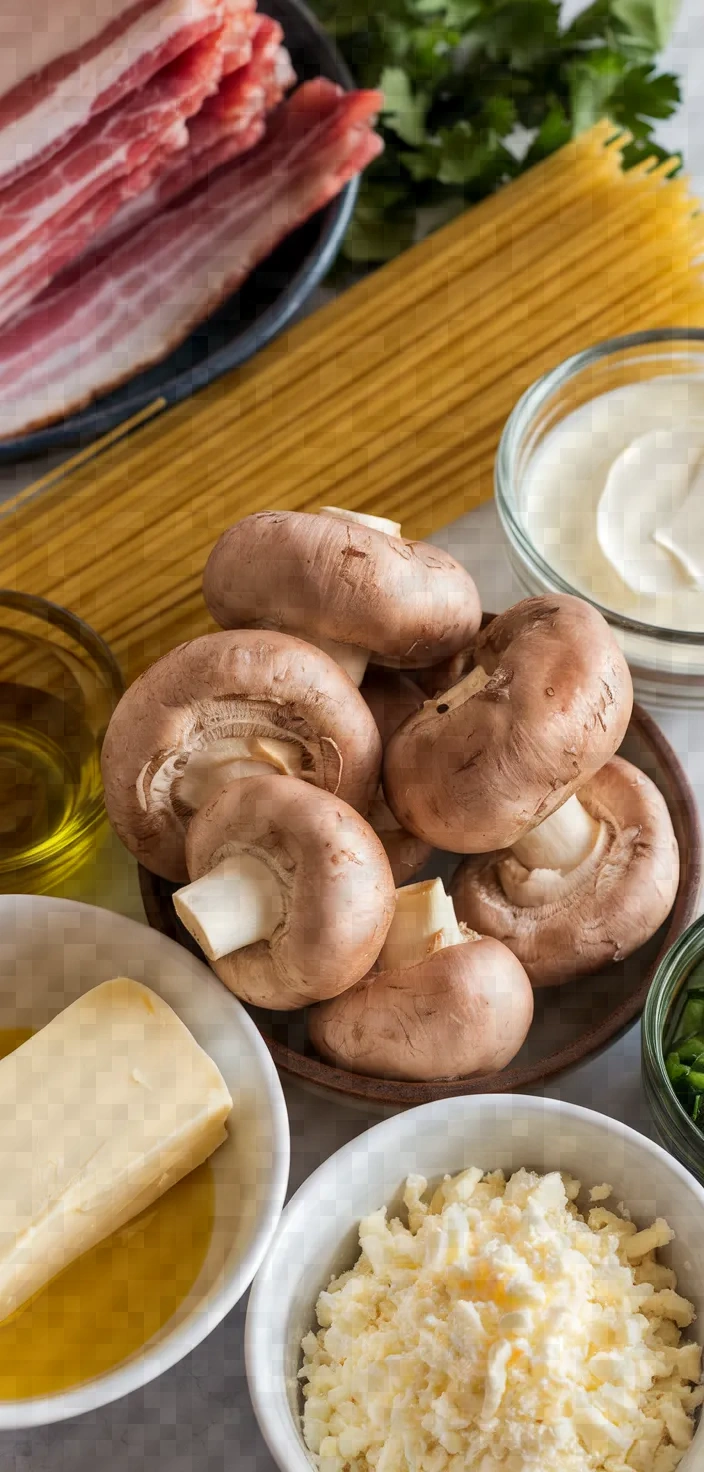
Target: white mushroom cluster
<point>293,773</point>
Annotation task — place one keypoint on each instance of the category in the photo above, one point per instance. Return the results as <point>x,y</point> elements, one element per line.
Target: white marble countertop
<point>197,1417</point>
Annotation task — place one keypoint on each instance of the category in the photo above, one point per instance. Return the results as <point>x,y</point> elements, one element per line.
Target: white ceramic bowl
<point>51,951</point>
<point>317,1235</point>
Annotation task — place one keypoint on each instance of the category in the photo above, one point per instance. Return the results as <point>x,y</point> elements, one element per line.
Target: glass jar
<point>673,1126</point>
<point>667,664</point>
<point>59,684</point>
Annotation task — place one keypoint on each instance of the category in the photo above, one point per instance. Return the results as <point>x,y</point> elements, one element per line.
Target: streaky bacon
<point>242,23</point>
<point>44,211</point>
<point>46,109</point>
<point>64,245</point>
<point>230,122</point>
<point>136,305</point>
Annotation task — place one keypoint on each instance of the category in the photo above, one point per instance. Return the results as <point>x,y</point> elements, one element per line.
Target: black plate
<point>252,316</point>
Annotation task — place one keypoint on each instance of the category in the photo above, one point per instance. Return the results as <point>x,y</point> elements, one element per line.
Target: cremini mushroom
<point>441,677</point>
<point>565,919</point>
<point>488,762</point>
<point>347,582</point>
<point>291,894</point>
<point>391,697</point>
<point>442,1002</point>
<point>222,707</point>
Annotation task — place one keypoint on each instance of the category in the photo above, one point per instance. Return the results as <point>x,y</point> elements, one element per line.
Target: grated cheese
<point>500,1331</point>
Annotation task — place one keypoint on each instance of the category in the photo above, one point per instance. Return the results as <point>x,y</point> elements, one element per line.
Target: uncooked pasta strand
<point>443,356</point>
<point>391,400</point>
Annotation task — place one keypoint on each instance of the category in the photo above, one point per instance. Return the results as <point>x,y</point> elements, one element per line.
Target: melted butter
<point>109,1302</point>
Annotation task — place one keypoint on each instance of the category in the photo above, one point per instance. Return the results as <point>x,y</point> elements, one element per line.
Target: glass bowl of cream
<point>600,491</point>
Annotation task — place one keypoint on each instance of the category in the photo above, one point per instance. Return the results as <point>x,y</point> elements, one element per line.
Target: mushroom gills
<point>562,841</point>
<point>236,904</point>
<point>212,767</point>
<point>424,922</point>
<point>351,658</point>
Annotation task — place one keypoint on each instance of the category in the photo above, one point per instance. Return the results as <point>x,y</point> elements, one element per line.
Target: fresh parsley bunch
<point>477,91</point>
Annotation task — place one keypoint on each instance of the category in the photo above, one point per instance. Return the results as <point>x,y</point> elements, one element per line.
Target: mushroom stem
<point>236,904</point>
<point>562,841</point>
<point>214,766</point>
<point>465,688</point>
<point>350,657</point>
<point>376,523</point>
<point>424,922</point>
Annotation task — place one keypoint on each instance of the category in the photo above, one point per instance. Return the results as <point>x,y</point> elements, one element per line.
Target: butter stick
<point>100,1113</point>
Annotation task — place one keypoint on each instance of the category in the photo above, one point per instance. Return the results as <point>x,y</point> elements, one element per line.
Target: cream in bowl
<point>614,500</point>
<point>600,489</point>
<point>143,1153</point>
<point>487,1283</point>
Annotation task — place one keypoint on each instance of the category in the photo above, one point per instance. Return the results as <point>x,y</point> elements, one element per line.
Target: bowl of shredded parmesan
<point>485,1284</point>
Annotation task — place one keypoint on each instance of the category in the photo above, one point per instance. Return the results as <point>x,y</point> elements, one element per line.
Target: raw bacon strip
<point>242,27</point>
<point>229,123</point>
<point>255,88</point>
<point>113,145</point>
<point>65,244</point>
<point>144,298</point>
<point>47,94</point>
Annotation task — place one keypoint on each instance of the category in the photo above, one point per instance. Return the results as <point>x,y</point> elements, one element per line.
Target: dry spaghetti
<point>390,400</point>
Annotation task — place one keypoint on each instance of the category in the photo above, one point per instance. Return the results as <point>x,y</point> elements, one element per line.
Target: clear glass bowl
<point>667,664</point>
<point>59,684</point>
<point>674,1128</point>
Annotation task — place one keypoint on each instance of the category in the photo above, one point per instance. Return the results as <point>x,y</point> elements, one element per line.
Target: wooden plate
<point>571,1022</point>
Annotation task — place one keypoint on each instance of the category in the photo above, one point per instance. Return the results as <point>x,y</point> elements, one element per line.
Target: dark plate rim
<point>79,429</point>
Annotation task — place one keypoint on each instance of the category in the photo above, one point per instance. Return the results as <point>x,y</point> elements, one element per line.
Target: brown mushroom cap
<point>391,697</point>
<point>337,887</point>
<point>407,603</point>
<point>487,761</point>
<point>600,912</point>
<point>238,684</point>
<point>465,1010</point>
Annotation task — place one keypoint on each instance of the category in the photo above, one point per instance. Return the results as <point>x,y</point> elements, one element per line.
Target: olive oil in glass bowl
<point>59,684</point>
<point>673,1049</point>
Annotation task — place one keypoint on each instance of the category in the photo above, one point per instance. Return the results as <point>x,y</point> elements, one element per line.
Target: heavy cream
<point>613,500</point>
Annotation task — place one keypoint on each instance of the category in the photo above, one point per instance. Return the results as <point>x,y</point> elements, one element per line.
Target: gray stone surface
<point>197,1417</point>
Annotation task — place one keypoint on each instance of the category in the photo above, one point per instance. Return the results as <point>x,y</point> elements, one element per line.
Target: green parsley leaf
<point>650,21</point>
<point>478,91</point>
<point>383,224</point>
<point>592,83</point>
<point>641,96</point>
<point>403,112</point>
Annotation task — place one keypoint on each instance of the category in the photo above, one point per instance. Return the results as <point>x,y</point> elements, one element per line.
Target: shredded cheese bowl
<point>443,1295</point>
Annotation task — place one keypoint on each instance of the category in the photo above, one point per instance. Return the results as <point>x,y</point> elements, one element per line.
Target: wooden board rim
<point>390,1092</point>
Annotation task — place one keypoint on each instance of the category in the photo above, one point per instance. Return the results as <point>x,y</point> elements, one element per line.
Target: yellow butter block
<point>100,1113</point>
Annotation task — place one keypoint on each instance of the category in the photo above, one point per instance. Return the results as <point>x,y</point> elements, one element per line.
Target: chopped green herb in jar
<point>685,1059</point>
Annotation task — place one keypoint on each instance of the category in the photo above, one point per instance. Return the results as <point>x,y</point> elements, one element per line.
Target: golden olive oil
<point>109,1302</point>
<point>50,789</point>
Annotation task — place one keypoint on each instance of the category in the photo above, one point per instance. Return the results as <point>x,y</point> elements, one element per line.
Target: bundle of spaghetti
<point>390,400</point>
